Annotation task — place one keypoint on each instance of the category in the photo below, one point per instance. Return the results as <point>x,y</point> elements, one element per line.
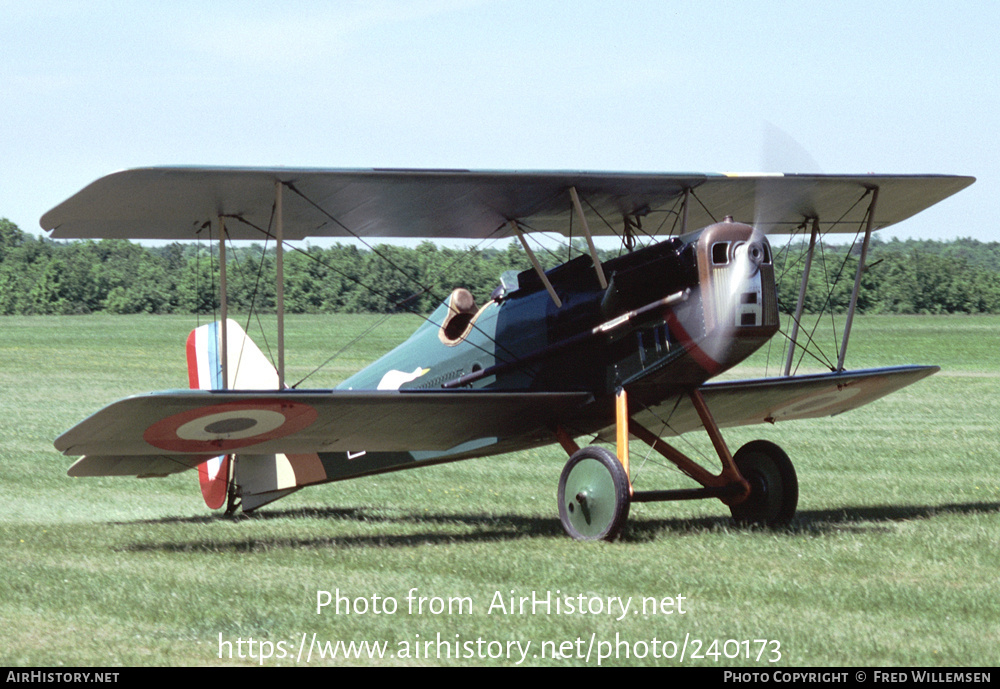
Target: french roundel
<point>229,426</point>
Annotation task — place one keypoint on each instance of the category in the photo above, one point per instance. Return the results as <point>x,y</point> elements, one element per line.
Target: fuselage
<point>723,307</point>
<point>673,315</point>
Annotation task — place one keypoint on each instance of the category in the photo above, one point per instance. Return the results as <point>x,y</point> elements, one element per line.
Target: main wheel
<point>774,488</point>
<point>593,495</point>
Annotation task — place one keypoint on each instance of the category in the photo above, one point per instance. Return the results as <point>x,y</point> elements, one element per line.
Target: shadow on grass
<point>858,519</point>
<point>836,520</point>
<point>476,528</point>
<point>485,529</point>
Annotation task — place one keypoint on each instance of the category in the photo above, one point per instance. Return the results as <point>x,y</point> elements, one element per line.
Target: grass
<point>891,559</point>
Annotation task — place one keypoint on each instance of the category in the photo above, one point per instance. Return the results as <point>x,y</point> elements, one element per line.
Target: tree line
<point>41,276</point>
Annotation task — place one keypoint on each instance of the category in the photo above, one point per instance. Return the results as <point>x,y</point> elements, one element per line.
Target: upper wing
<point>175,430</point>
<point>178,203</point>
<point>768,400</point>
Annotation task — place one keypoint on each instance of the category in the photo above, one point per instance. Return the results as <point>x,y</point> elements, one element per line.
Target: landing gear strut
<point>595,491</point>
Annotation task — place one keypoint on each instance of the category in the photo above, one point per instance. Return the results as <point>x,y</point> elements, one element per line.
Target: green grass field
<point>892,558</point>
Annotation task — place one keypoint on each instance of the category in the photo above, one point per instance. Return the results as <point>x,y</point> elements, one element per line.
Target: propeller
<point>739,297</point>
<point>772,205</point>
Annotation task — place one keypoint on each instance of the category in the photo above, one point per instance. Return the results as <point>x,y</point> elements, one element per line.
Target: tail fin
<point>248,369</point>
<point>261,478</point>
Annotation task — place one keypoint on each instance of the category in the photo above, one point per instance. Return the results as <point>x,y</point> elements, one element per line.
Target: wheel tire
<point>594,495</point>
<point>774,488</point>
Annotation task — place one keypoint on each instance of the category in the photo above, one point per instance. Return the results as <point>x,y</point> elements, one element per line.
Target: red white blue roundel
<point>230,426</point>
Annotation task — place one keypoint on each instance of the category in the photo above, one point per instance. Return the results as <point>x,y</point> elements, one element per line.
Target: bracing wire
<point>811,342</point>
<point>399,304</point>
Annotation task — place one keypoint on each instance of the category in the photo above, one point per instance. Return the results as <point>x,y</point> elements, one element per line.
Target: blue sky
<point>88,88</point>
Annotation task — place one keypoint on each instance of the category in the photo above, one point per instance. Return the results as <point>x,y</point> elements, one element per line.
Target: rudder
<point>260,478</point>
<point>248,369</point>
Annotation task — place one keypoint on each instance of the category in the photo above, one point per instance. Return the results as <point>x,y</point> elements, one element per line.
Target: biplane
<point>592,351</point>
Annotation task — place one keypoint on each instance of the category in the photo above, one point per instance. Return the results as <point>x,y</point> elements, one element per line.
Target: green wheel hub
<point>593,495</point>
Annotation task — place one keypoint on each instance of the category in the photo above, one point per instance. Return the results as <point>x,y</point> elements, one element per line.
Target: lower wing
<point>769,400</point>
<point>168,432</point>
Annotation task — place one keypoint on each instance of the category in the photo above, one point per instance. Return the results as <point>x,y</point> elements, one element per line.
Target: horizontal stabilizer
<point>143,467</point>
